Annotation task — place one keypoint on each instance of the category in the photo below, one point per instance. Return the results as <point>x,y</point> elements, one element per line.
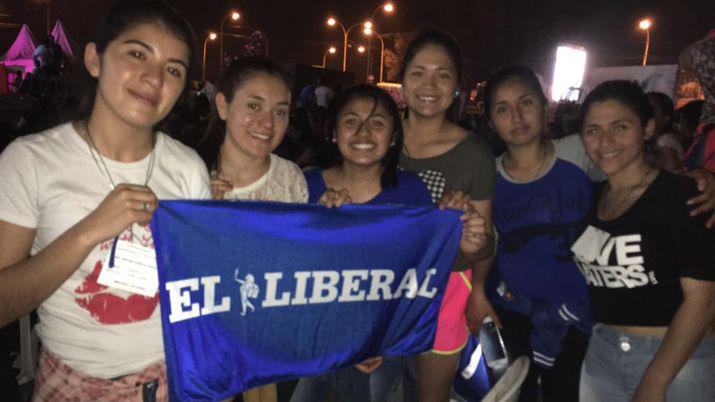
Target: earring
<point>456,93</point>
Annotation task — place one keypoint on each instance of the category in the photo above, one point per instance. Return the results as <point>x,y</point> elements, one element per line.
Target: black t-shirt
<point>633,264</point>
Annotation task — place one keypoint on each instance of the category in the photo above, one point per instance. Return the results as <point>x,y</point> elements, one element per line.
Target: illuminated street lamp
<point>235,16</point>
<point>369,33</point>
<point>212,37</point>
<point>361,49</point>
<point>333,22</point>
<point>387,8</point>
<point>331,50</point>
<point>645,25</point>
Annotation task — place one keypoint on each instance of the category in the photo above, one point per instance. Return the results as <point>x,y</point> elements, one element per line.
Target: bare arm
<point>484,208</point>
<point>27,282</point>
<point>477,238</point>
<point>478,305</point>
<point>686,331</point>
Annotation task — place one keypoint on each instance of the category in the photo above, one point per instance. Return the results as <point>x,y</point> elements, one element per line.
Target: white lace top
<point>282,182</point>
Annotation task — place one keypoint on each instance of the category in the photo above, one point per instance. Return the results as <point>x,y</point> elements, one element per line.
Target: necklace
<point>150,168</point>
<point>541,165</point>
<point>604,207</point>
<point>93,147</point>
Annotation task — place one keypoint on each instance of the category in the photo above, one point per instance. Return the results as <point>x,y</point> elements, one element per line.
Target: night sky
<point>492,33</point>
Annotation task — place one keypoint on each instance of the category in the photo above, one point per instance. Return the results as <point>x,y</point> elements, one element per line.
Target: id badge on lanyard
<point>130,267</point>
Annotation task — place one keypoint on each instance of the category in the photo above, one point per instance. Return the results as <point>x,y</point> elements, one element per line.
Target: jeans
<point>615,363</point>
<point>393,381</point>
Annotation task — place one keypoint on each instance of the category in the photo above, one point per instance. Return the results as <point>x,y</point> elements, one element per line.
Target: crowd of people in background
<point>579,239</point>
<point>53,85</point>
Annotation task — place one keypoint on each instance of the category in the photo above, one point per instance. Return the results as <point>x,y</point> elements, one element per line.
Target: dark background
<point>492,33</point>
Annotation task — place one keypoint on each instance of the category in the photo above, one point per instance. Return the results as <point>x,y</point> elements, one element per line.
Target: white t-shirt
<point>323,95</point>
<point>283,182</point>
<point>49,182</point>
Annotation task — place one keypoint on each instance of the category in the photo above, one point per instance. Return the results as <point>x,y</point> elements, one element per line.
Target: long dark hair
<point>235,75</point>
<point>388,179</point>
<point>122,16</point>
<point>454,52</point>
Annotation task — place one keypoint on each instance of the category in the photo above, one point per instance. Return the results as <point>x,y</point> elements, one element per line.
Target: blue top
<point>410,190</point>
<point>538,221</point>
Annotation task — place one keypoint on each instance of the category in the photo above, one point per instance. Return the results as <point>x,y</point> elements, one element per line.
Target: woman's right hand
<point>335,198</point>
<point>219,187</point>
<point>478,308</point>
<point>125,205</point>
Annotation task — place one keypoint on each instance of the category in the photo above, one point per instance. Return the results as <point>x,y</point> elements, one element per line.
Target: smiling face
<point>140,74</point>
<point>430,81</point>
<point>517,113</point>
<point>614,137</point>
<point>364,132</point>
<point>257,116</point>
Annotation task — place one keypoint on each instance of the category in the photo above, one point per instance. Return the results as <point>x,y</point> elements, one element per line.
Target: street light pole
<point>212,36</point>
<point>369,33</point>
<point>330,50</point>
<point>647,46</point>
<point>332,22</point>
<point>645,25</point>
<point>234,16</point>
<point>388,8</point>
<point>382,56</point>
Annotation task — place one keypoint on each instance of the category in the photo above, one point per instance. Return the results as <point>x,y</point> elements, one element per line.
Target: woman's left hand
<point>219,187</point>
<point>335,198</point>
<point>369,365</point>
<point>474,230</point>
<point>474,233</point>
<point>705,201</point>
<point>455,200</point>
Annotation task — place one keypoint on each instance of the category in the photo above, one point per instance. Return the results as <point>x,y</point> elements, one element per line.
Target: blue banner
<point>257,292</point>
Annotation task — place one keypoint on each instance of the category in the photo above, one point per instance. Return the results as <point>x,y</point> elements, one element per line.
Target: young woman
<point>365,126</point>
<point>252,105</point>
<point>648,264</point>
<point>68,193</point>
<point>543,193</point>
<point>450,161</point>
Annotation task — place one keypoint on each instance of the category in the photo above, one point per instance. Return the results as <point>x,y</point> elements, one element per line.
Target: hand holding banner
<point>256,292</point>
